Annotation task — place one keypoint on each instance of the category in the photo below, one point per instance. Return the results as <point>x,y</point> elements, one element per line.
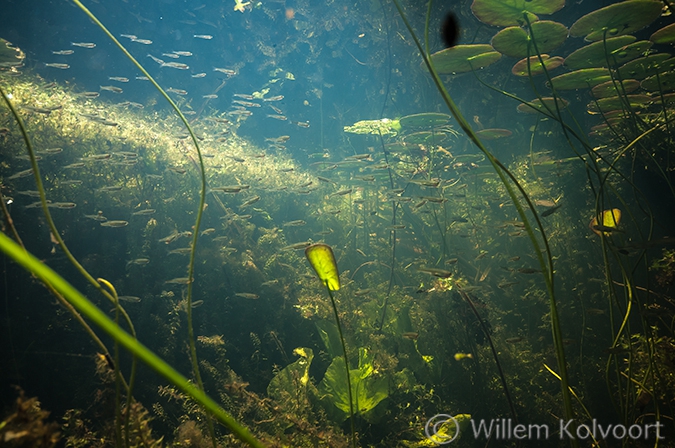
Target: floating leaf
<point>593,55</point>
<point>580,79</point>
<point>662,81</point>
<point>610,220</point>
<point>385,126</point>
<point>511,12</point>
<point>665,35</point>
<point>425,138</point>
<point>513,41</point>
<point>321,258</point>
<point>617,19</point>
<point>536,68</point>
<point>619,102</point>
<point>544,105</point>
<point>287,385</point>
<point>644,67</point>
<point>425,120</point>
<point>609,88</point>
<point>464,58</point>
<point>492,134</point>
<point>368,388</point>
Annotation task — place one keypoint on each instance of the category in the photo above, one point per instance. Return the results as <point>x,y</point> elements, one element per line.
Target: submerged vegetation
<point>517,265</point>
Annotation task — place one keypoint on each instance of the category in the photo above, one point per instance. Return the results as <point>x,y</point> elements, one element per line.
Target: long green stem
<point>87,308</point>
<point>200,209</point>
<point>344,352</point>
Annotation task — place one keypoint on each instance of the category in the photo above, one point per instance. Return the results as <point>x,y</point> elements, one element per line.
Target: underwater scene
<point>330,223</point>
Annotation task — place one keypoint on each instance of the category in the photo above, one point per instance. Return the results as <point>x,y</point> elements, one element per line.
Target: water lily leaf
<point>425,138</point>
<point>368,389</point>
<point>544,104</point>
<point>618,102</point>
<point>647,66</point>
<point>10,56</point>
<point>536,68</point>
<point>289,386</point>
<point>425,120</point>
<point>330,336</point>
<point>384,126</point>
<point>511,12</point>
<point>665,35</point>
<point>513,41</point>
<point>662,81</point>
<point>322,259</point>
<point>610,220</point>
<point>580,79</point>
<point>609,88</point>
<point>593,55</point>
<point>492,134</point>
<point>617,19</point>
<point>464,58</point>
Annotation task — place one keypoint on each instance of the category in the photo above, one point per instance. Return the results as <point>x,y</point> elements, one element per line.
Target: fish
<point>181,251</point>
<point>296,223</point>
<point>278,117</point>
<point>202,36</point>
<point>177,91</point>
<point>83,44</point>
<point>171,55</point>
<point>396,227</point>
<point>527,270</point>
<point>20,174</point>
<point>113,89</point>
<point>363,292</point>
<point>197,303</point>
<point>247,295</point>
<point>73,165</point>
<point>115,223</point>
<point>91,95</point>
<point>138,261</point>
<point>231,188</point>
<point>342,192</point>
<point>199,75</point>
<point>62,205</point>
<point>178,281</point>
<point>131,299</point>
<point>302,124</point>
<point>142,41</point>
<point>211,96</point>
<point>549,211</point>
<point>297,246</point>
<point>441,273</point>
<point>253,200</point>
<point>63,52</point>
<point>514,340</point>
<point>246,103</point>
<point>245,96</point>
<point>412,335</point>
<point>226,71</point>
<point>274,98</point>
<point>109,188</point>
<point>182,53</point>
<point>147,211</point>
<point>270,282</point>
<point>57,65</point>
<point>178,65</point>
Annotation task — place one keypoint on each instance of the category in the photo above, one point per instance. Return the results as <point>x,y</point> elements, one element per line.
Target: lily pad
<point>609,88</point>
<point>593,55</point>
<point>10,56</point>
<point>492,134</point>
<point>425,120</point>
<point>647,66</point>
<point>536,68</point>
<point>425,138</point>
<point>511,12</point>
<point>543,104</point>
<point>617,102</point>
<point>580,79</point>
<point>617,19</point>
<point>665,35</point>
<point>384,126</point>
<point>662,81</point>
<point>513,41</point>
<point>464,58</point>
